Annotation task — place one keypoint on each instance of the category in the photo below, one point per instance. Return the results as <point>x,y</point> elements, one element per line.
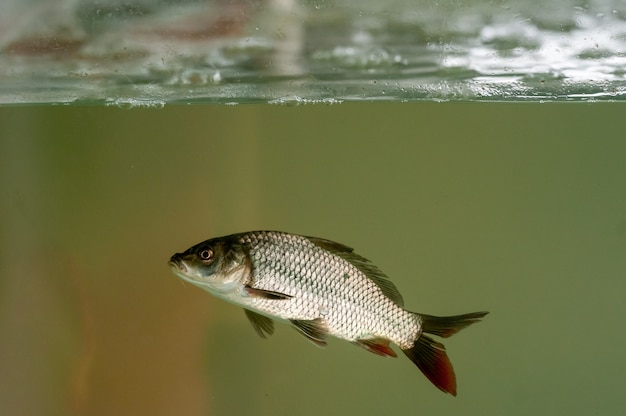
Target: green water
<point>518,209</point>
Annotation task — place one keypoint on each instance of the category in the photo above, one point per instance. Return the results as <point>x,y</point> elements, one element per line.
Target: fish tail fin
<point>430,356</point>
<point>446,326</point>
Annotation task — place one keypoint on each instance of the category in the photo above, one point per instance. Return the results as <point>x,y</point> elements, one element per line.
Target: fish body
<point>322,288</point>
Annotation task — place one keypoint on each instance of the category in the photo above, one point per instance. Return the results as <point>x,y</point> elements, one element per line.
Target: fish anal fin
<point>431,358</point>
<point>261,324</point>
<point>265,294</point>
<point>379,346</point>
<point>314,330</point>
<point>446,326</point>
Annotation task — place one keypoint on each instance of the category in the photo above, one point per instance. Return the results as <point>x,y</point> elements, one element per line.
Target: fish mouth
<point>177,264</point>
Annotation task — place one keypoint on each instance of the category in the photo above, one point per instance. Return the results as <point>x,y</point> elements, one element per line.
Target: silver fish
<point>322,288</point>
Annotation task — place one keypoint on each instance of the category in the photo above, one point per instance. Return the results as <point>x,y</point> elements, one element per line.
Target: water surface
<point>150,53</point>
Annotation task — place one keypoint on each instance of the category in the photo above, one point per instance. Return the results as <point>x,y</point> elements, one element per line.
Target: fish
<point>322,288</point>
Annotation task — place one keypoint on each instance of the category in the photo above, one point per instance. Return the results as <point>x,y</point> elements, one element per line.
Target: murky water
<point>519,209</point>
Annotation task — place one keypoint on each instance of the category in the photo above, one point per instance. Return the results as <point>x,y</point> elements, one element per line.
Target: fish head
<point>218,265</point>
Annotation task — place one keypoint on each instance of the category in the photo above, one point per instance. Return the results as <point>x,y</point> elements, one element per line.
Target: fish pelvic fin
<point>261,324</point>
<point>314,330</point>
<point>430,356</point>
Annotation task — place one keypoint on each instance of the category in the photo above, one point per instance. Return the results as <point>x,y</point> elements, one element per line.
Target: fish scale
<point>322,288</point>
<point>359,304</point>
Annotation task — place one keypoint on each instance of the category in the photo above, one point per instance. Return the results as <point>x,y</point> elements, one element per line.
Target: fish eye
<point>205,253</point>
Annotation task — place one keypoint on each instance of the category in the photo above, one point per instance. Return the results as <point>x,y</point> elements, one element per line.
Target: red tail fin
<point>430,356</point>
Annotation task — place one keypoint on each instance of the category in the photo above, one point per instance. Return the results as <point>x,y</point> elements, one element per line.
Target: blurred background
<point>114,154</point>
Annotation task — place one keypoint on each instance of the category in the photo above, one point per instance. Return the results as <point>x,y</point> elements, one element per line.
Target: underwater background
<point>519,209</point>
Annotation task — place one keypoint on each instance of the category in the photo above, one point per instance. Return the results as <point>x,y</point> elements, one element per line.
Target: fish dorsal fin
<point>364,265</point>
<point>261,324</point>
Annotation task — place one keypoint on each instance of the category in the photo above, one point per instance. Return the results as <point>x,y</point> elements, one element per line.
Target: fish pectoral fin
<point>314,330</point>
<point>379,346</point>
<point>265,294</point>
<point>261,324</point>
